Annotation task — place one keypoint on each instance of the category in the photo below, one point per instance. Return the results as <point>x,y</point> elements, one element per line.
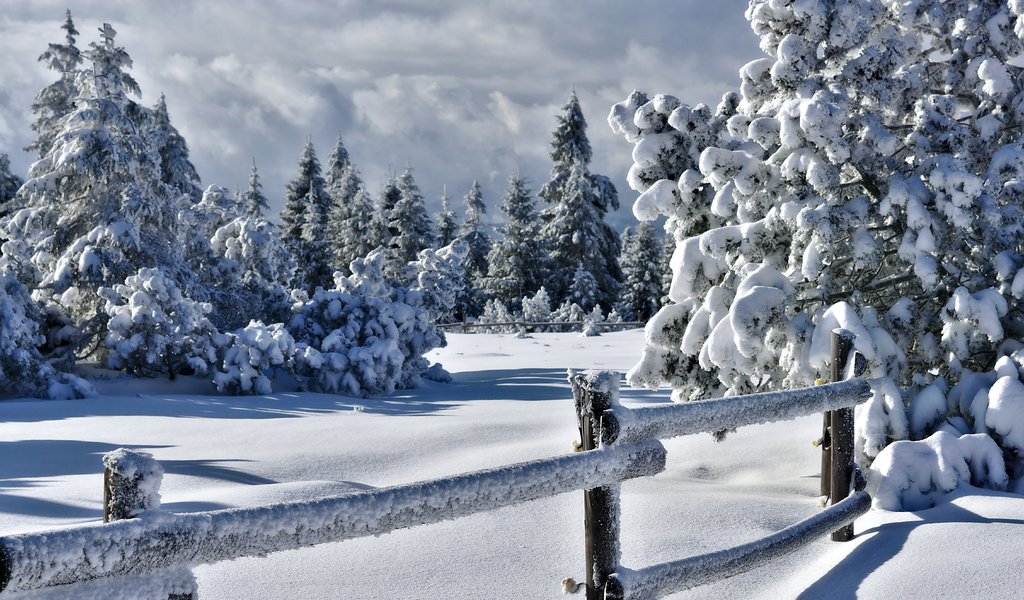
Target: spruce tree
<point>254,202</point>
<point>447,227</point>
<point>56,100</point>
<point>315,260</point>
<point>410,227</point>
<point>641,263</point>
<point>350,216</point>
<point>297,211</point>
<point>175,167</point>
<point>573,224</point>
<point>471,301</point>
<point>516,261</point>
<point>583,291</point>
<point>97,210</point>
<point>9,184</point>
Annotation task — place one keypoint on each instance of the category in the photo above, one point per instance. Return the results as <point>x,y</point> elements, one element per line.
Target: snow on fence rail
<point>533,325</point>
<point>604,423</point>
<point>158,540</point>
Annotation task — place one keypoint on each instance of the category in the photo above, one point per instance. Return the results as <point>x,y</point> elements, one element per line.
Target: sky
<point>458,90</point>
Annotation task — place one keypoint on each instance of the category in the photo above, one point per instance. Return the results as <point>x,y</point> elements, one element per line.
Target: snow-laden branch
<point>158,540</point>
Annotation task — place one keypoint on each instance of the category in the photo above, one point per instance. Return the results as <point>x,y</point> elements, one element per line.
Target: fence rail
<point>534,325</point>
<point>159,540</point>
<point>617,444</point>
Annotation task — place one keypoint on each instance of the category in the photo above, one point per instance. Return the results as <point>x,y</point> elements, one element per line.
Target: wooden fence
<point>152,549</point>
<point>533,326</point>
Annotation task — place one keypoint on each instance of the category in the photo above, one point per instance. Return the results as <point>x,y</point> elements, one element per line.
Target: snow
<point>509,402</point>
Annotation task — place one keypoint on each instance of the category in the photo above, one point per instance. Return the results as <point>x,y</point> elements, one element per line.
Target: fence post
<point>131,486</point>
<point>841,439</point>
<point>593,393</point>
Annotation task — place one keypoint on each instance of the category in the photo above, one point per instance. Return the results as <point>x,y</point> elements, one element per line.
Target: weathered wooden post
<point>841,439</point>
<point>131,486</point>
<point>594,393</point>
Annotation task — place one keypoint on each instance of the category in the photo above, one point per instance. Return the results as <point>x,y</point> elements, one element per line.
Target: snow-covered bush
<point>867,175</point>
<point>441,277</point>
<point>537,308</point>
<point>264,264</point>
<point>248,354</point>
<point>495,311</point>
<point>364,337</point>
<point>154,330</point>
<point>912,475</point>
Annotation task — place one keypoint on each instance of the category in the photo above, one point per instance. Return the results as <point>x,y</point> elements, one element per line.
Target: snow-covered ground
<point>509,402</point>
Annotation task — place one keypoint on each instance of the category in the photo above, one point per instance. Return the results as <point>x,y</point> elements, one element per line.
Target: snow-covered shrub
<point>496,312</point>
<point>264,264</point>
<point>23,369</point>
<point>364,337</point>
<point>441,276</point>
<point>866,175</point>
<point>912,475</point>
<point>537,308</point>
<point>247,355</point>
<point>154,330</point>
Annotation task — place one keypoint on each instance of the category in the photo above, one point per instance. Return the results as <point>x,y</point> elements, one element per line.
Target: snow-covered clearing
<point>509,402</point>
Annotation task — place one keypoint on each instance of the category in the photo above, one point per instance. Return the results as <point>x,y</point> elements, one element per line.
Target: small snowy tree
<point>441,276</point>
<point>515,266</point>
<point>254,201</point>
<point>154,330</point>
<point>537,308</point>
<point>477,240</point>
<point>302,222</point>
<point>410,227</point>
<point>573,224</point>
<point>583,290</point>
<point>447,226</point>
<point>866,177</point>
<point>350,222</point>
<point>263,265</point>
<point>315,258</point>
<point>249,354</point>
<point>642,265</point>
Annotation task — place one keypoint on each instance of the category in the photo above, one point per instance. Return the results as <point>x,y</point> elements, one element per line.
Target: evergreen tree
<point>176,169</point>
<point>447,227</point>
<point>97,210</point>
<point>516,261</point>
<point>9,184</point>
<point>472,299</point>
<point>641,263</point>
<point>410,228</point>
<point>583,291</point>
<point>56,100</point>
<point>349,222</point>
<point>315,262</point>
<point>254,202</point>
<point>296,228</point>
<point>573,224</point>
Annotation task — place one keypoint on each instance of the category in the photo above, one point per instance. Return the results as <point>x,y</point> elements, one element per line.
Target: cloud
<point>458,90</point>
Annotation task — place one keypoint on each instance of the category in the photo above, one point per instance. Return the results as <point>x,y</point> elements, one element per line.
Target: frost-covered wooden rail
<point>159,540</point>
<point>605,424</point>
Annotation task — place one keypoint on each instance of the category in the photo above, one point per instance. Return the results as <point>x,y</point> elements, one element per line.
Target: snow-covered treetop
<point>108,78</point>
<point>255,202</point>
<point>475,208</point>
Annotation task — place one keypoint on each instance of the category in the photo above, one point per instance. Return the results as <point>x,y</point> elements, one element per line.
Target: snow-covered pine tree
<point>315,260</point>
<point>517,259</point>
<point>217,207</point>
<point>642,265</point>
<point>583,291</point>
<point>296,210</point>
<point>447,226</point>
<point>573,229</point>
<point>254,201</point>
<point>293,214</point>
<point>350,220</point>
<point>441,276</point>
<point>866,177</point>
<point>56,100</point>
<point>176,169</point>
<point>9,184</point>
<point>410,227</point>
<point>472,299</point>
<point>96,208</point>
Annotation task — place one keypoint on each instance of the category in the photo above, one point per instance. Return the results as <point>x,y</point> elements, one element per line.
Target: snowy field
<point>509,402</point>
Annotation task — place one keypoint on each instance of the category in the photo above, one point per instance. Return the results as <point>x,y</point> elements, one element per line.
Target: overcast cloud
<point>457,90</point>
